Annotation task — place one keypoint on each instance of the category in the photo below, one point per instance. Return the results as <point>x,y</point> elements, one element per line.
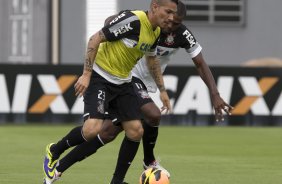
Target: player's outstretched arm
<point>205,73</point>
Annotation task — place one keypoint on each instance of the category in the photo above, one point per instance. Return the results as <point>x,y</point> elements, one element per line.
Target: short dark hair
<point>181,9</point>
<point>160,1</point>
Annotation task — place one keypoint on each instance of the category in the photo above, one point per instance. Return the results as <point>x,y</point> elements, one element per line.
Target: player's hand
<point>220,106</point>
<point>166,102</point>
<point>82,84</point>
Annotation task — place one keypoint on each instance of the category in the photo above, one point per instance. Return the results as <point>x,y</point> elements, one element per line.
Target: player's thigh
<point>141,92</point>
<point>126,105</point>
<point>96,98</point>
<point>149,109</point>
<point>151,113</point>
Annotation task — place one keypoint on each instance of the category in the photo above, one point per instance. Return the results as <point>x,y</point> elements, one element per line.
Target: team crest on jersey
<point>144,94</point>
<point>170,39</point>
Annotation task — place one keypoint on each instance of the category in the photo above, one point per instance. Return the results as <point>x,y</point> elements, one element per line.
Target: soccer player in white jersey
<point>175,37</point>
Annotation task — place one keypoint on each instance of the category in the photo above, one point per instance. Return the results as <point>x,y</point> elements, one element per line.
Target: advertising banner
<point>45,93</point>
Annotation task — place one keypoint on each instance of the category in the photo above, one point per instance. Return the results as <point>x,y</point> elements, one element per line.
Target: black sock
<point>79,153</point>
<point>149,141</point>
<point>126,155</point>
<point>73,138</point>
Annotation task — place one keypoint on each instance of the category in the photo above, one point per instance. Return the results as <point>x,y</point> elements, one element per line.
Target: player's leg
<point>75,137</point>
<point>151,120</point>
<point>150,124</point>
<point>129,147</point>
<point>107,134</point>
<point>92,121</point>
<point>129,113</point>
<point>93,118</point>
<point>152,116</point>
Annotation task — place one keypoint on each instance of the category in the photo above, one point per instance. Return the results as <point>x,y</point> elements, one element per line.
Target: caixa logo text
<point>193,96</point>
<point>52,98</point>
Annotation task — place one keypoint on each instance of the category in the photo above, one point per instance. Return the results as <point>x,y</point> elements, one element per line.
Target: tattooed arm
<point>155,69</point>
<point>92,49</point>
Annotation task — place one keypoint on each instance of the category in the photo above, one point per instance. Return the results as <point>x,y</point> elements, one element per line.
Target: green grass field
<point>193,155</point>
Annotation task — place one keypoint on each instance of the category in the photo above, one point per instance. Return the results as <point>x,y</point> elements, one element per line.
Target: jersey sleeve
<point>124,25</point>
<point>192,47</point>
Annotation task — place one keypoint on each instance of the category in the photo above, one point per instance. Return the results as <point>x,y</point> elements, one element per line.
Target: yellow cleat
<point>49,164</point>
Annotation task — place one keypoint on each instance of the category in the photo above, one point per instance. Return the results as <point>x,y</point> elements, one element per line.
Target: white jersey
<point>167,46</point>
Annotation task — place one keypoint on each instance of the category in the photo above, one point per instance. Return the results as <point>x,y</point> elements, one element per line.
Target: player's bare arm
<point>92,49</point>
<point>155,70</point>
<point>205,73</point>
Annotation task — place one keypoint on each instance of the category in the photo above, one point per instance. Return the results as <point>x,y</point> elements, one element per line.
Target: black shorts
<point>142,98</point>
<point>141,91</point>
<point>102,97</point>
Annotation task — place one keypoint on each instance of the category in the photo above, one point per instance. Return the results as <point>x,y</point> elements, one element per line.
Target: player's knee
<point>91,128</point>
<point>135,133</point>
<point>109,131</point>
<point>154,119</point>
<point>108,136</point>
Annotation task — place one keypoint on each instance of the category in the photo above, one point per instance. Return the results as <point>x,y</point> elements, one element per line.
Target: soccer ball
<point>153,176</point>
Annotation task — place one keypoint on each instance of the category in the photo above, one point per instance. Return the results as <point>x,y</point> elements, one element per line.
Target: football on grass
<point>153,176</point>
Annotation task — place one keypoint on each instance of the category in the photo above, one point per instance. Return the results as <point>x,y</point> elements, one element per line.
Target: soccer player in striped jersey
<point>106,82</point>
